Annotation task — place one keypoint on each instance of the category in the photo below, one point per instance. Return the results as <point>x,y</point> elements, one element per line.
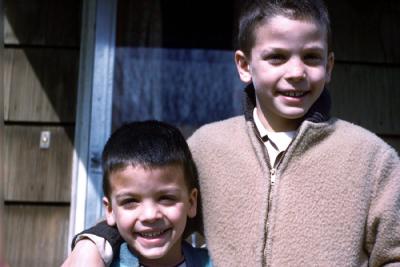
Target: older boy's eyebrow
<point>268,51</point>
<point>273,49</point>
<point>317,48</point>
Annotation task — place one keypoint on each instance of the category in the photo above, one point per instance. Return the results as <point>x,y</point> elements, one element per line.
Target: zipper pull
<point>273,175</point>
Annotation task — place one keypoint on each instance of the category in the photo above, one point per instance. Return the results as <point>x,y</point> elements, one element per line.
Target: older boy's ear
<point>329,66</point>
<point>109,212</point>
<point>192,211</point>
<point>243,66</point>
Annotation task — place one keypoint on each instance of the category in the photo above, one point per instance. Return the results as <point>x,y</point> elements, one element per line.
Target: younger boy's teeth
<point>151,234</point>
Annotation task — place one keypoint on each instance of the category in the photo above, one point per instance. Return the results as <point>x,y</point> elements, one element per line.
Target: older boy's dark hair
<point>148,144</point>
<point>256,11</point>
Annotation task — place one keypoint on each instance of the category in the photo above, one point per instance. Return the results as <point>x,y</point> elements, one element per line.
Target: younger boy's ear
<point>243,66</point>
<point>329,66</point>
<point>192,211</point>
<point>109,212</point>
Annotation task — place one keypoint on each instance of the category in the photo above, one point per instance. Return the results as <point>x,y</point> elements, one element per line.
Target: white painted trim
<point>101,116</point>
<point>94,111</point>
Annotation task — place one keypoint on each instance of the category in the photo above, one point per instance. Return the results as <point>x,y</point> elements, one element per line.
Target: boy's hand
<point>85,254</point>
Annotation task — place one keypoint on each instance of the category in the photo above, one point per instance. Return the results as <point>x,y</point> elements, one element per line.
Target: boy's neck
<point>274,123</point>
<point>158,263</point>
<point>165,262</point>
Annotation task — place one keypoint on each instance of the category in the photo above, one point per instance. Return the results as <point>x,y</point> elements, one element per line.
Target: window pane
<point>174,62</point>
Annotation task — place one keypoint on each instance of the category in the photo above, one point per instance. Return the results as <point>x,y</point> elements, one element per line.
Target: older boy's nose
<point>295,70</point>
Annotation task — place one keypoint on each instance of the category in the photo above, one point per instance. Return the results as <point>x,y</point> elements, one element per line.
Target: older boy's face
<point>289,67</point>
<point>150,207</point>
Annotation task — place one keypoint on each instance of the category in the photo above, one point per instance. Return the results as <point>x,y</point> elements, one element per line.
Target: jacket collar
<point>319,111</point>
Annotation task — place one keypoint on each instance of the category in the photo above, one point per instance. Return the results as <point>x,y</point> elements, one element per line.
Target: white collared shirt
<point>277,142</point>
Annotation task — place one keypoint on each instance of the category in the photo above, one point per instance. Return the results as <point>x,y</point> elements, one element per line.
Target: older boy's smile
<point>292,97</point>
<point>293,93</point>
<point>288,71</point>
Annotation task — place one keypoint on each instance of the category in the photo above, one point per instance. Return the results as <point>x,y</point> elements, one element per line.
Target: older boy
<point>286,184</point>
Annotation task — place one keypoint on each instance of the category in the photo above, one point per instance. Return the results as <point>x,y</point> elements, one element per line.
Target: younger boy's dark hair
<point>256,11</point>
<point>148,144</point>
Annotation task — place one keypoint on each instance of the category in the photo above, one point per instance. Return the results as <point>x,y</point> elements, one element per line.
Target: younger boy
<point>286,184</point>
<point>149,184</point>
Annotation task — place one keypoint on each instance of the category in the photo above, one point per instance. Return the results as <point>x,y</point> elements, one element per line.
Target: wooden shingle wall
<point>2,241</point>
<point>365,85</point>
<point>39,88</point>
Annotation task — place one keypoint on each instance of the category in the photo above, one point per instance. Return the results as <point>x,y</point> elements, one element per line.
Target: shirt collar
<point>279,139</point>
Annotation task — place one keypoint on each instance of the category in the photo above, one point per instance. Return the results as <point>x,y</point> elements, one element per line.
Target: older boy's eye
<point>275,58</point>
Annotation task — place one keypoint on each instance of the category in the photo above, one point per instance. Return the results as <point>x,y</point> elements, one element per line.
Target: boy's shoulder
<point>355,135</point>
<point>218,126</point>
<point>346,128</point>
<point>218,136</point>
<point>218,130</point>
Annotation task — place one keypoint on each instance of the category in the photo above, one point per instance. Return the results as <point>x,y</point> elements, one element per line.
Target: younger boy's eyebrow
<point>170,190</point>
<point>125,195</point>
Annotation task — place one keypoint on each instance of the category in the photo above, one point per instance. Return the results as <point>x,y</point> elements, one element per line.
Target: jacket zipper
<point>272,172</point>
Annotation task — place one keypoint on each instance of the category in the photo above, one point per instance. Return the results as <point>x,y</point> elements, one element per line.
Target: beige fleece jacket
<point>335,202</point>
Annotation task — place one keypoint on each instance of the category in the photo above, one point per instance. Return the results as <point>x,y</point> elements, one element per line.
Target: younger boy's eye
<point>129,203</point>
<point>313,58</point>
<point>168,199</point>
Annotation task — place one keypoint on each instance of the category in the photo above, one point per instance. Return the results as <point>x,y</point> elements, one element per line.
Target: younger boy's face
<point>150,207</point>
<point>289,66</point>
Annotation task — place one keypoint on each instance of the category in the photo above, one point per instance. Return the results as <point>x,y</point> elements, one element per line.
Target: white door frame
<point>94,111</point>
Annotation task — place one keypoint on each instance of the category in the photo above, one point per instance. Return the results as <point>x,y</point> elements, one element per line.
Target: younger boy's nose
<point>150,212</point>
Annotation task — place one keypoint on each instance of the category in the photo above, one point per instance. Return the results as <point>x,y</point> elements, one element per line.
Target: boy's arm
<point>85,253</point>
<point>383,229</point>
<point>100,242</point>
